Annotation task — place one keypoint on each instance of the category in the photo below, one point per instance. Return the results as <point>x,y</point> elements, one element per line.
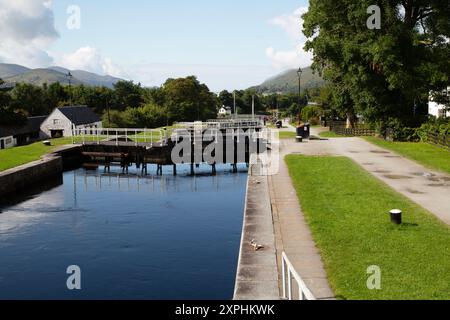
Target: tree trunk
<point>351,121</point>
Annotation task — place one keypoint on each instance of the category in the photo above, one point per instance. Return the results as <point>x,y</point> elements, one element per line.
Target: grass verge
<point>287,135</point>
<point>13,157</point>
<point>331,134</point>
<point>347,210</point>
<point>426,154</point>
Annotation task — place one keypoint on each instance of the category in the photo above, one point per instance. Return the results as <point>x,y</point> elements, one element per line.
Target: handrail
<point>97,135</point>
<point>288,271</point>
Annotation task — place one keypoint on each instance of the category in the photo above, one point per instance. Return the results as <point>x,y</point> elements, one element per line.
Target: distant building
<point>438,110</point>
<point>11,136</point>
<point>224,112</point>
<point>62,121</point>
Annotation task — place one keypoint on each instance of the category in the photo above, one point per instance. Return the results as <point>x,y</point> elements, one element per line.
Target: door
<point>56,133</point>
<point>2,144</point>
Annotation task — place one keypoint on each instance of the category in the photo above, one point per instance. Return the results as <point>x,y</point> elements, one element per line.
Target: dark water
<point>133,238</point>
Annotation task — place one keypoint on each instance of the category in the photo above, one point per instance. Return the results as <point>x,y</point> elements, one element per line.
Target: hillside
<point>40,76</point>
<point>288,82</point>
<point>10,70</point>
<point>89,77</point>
<point>94,79</point>
<point>16,74</point>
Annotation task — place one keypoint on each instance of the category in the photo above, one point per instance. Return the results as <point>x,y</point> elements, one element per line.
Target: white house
<point>438,110</point>
<point>62,121</point>
<point>224,111</point>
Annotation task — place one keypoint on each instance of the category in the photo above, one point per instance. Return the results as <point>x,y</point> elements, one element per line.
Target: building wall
<point>58,121</point>
<point>8,142</point>
<point>435,108</point>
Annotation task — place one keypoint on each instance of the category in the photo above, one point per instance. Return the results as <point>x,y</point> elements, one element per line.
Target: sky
<point>226,44</point>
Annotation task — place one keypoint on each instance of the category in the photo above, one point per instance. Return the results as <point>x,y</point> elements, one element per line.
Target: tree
<point>186,99</point>
<point>8,116</point>
<point>226,98</point>
<point>127,94</point>
<point>29,99</point>
<point>386,74</point>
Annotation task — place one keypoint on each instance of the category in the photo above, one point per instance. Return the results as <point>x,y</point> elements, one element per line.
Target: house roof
<point>33,125</point>
<point>80,114</point>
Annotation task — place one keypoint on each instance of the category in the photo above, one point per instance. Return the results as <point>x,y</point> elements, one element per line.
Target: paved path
<point>428,188</point>
<point>292,234</point>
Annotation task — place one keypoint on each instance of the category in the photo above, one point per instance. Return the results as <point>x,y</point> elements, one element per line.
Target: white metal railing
<point>265,134</point>
<point>288,272</point>
<point>223,124</point>
<point>117,135</point>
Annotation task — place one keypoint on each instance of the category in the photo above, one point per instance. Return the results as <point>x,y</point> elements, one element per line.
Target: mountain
<point>16,74</point>
<point>95,79</point>
<point>287,82</point>
<point>40,76</point>
<point>89,77</point>
<point>10,70</point>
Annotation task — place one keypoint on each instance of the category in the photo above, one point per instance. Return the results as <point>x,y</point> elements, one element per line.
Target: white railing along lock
<point>98,135</point>
<point>288,272</point>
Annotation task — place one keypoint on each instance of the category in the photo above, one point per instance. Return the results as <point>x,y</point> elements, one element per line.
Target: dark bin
<point>279,124</point>
<point>300,131</point>
<point>307,131</point>
<point>304,131</point>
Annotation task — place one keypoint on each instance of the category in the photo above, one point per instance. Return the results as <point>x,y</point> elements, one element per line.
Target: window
<point>56,121</point>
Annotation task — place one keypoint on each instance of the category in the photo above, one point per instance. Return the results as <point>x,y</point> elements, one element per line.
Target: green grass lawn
<point>331,134</point>
<point>426,154</point>
<point>347,210</point>
<point>287,135</point>
<point>13,157</point>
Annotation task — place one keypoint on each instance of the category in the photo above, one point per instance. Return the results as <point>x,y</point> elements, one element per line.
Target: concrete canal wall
<point>257,274</point>
<point>21,178</point>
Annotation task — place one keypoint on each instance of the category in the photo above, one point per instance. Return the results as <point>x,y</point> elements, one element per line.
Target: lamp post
<point>69,77</point>
<point>299,73</point>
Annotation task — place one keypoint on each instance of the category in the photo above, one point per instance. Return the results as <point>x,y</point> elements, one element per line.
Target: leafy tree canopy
<point>385,73</point>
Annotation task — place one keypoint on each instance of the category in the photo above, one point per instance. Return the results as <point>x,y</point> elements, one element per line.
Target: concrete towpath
<point>428,188</point>
<point>292,234</point>
<point>274,216</point>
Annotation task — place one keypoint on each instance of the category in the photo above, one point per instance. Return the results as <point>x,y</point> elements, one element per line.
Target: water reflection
<point>133,237</point>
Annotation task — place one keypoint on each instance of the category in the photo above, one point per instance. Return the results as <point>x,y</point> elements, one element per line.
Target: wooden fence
<point>357,132</point>
<point>339,127</point>
<point>439,139</point>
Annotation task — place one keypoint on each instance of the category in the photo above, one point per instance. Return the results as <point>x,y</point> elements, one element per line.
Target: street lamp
<point>69,77</point>
<point>299,73</point>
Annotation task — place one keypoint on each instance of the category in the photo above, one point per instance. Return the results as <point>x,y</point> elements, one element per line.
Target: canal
<point>132,237</point>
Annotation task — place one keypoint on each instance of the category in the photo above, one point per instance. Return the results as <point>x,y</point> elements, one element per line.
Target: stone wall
<point>15,180</point>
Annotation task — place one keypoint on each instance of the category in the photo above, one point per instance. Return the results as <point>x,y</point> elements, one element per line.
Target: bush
<point>435,126</point>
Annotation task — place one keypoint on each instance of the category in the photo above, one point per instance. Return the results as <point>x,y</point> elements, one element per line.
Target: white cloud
<point>292,23</point>
<point>296,57</point>
<point>26,30</point>
<point>89,59</point>
<point>289,59</point>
